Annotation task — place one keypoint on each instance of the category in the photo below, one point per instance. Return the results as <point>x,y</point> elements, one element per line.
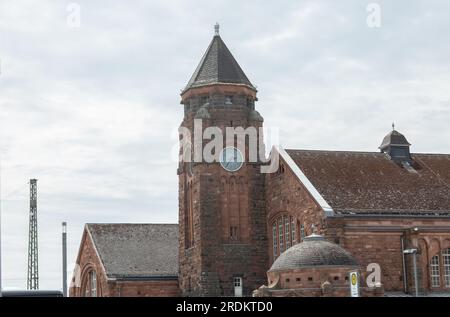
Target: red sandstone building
<point>235,223</point>
<point>127,260</point>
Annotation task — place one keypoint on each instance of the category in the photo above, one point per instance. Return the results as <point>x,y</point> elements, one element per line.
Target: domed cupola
<point>396,146</point>
<point>313,252</point>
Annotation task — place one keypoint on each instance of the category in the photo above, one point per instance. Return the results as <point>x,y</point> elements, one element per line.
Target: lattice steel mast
<point>33,273</point>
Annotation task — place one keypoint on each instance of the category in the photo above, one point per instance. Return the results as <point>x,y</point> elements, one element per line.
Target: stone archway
<point>89,277</point>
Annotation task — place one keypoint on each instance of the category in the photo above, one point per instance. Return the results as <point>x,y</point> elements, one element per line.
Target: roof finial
<point>393,126</point>
<point>216,28</point>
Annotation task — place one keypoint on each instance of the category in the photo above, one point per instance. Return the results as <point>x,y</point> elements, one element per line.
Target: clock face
<point>231,159</point>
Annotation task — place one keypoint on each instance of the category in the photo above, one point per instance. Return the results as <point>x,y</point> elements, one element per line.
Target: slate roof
<point>314,251</point>
<point>371,183</point>
<point>218,66</point>
<point>137,250</point>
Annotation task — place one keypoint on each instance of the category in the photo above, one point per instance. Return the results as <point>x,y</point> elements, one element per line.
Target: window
<point>237,281</point>
<point>229,100</point>
<point>280,234</point>
<point>284,234</point>
<point>446,257</point>
<point>293,231</point>
<point>435,274</point>
<point>302,232</point>
<point>93,284</point>
<point>287,230</point>
<point>275,240</point>
<point>204,100</point>
<point>399,152</point>
<point>90,285</point>
<point>233,233</point>
<point>189,217</point>
<point>250,104</point>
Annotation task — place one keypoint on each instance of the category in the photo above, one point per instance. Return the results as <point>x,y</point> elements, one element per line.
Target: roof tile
<point>137,250</point>
<point>369,182</point>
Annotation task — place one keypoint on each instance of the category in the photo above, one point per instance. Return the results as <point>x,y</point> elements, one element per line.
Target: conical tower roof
<point>218,66</point>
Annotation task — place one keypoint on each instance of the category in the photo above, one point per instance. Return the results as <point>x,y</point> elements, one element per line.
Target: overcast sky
<point>91,111</point>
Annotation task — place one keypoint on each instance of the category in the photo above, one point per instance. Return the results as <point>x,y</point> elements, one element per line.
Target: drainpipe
<point>405,278</point>
<point>416,279</point>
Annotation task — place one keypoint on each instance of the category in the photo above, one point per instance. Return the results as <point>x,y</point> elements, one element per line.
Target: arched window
<point>90,285</point>
<point>435,272</point>
<point>446,257</point>
<point>284,234</point>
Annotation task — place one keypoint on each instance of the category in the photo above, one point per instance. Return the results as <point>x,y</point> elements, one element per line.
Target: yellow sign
<point>354,279</point>
<point>354,284</point>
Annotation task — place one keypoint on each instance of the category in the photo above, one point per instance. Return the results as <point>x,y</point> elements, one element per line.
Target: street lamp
<point>416,281</point>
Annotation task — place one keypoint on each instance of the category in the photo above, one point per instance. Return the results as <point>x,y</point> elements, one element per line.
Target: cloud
<point>90,111</point>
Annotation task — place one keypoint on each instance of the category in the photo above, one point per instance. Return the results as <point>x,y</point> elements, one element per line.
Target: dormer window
<point>396,146</point>
<point>204,101</point>
<point>228,100</point>
<point>250,104</point>
<point>399,152</point>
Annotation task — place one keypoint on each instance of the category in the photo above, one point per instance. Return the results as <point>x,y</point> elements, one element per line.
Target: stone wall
<point>370,239</point>
<point>286,195</point>
<point>222,202</point>
<point>378,239</point>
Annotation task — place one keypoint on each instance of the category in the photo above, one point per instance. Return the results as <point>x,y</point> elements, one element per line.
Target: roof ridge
<point>361,152</point>
<point>335,151</point>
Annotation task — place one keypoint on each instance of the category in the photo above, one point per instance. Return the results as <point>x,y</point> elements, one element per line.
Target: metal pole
<point>405,277</point>
<point>64,257</point>
<point>416,282</point>
<point>33,253</point>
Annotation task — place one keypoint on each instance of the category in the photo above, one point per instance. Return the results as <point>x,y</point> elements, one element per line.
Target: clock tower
<point>223,248</point>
